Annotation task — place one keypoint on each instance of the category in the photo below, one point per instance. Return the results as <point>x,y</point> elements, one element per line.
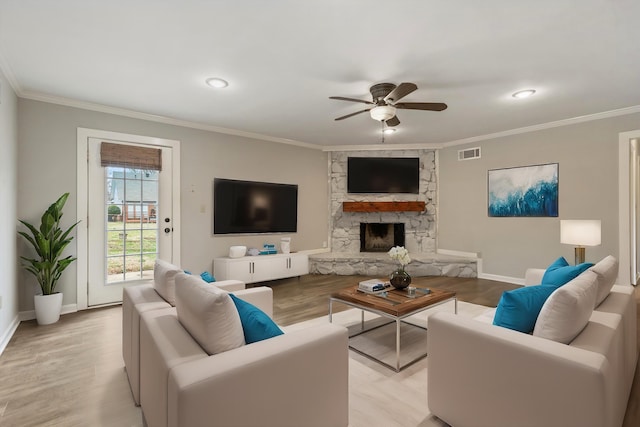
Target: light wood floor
<point>72,374</point>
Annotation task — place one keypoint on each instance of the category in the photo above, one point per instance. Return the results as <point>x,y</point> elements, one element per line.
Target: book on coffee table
<point>373,286</point>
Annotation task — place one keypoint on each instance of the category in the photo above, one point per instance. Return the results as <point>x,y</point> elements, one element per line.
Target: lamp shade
<point>382,112</point>
<point>580,232</point>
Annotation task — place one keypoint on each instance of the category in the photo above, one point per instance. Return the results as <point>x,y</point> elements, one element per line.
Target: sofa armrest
<point>533,276</point>
<point>230,285</point>
<point>299,378</point>
<point>261,297</point>
<point>485,375</point>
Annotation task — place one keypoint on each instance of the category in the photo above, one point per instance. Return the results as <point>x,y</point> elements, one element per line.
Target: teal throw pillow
<point>207,277</point>
<point>560,272</point>
<point>256,324</point>
<point>518,309</point>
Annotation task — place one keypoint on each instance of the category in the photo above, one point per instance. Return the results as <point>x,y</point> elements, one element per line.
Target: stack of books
<point>268,249</point>
<point>373,286</point>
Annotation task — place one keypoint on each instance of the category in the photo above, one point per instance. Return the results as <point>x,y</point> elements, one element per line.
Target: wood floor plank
<point>72,374</point>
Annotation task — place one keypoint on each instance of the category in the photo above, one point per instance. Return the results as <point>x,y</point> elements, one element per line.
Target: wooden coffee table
<point>396,305</point>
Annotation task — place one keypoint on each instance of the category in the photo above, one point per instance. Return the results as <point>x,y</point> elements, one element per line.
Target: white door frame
<point>82,189</point>
<point>625,196</point>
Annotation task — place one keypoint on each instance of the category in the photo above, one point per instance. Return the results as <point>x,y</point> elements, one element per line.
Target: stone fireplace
<point>419,226</point>
<point>391,213</point>
<point>380,237</point>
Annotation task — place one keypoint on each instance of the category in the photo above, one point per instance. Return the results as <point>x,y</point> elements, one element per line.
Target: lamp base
<point>579,254</point>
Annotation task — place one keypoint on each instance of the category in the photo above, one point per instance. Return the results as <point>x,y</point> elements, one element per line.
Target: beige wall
<point>8,178</point>
<point>47,168</point>
<point>587,154</point>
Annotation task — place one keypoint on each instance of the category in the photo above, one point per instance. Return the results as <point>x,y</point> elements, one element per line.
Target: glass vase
<point>400,279</point>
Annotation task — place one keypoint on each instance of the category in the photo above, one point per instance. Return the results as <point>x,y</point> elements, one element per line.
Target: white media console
<point>260,268</point>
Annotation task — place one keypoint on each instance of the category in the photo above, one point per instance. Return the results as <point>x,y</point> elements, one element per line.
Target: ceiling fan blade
<point>393,121</point>
<point>430,106</point>
<point>400,92</point>
<point>342,98</point>
<point>353,114</point>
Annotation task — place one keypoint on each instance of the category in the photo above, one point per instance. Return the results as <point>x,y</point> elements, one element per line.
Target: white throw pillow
<point>208,314</point>
<point>607,272</point>
<point>568,309</point>
<point>164,276</point>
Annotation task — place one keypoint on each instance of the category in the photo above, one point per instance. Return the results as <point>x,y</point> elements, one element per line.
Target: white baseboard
<point>497,278</point>
<point>457,253</point>
<point>4,341</point>
<point>31,314</point>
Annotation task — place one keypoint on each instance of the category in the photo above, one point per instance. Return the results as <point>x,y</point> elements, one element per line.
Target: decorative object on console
<point>527,191</point>
<point>237,251</point>
<point>580,233</point>
<point>285,245</point>
<point>399,278</point>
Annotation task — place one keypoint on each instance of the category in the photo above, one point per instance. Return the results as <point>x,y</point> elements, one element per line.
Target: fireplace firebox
<point>380,237</point>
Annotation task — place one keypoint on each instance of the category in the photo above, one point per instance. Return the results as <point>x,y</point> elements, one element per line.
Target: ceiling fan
<point>385,102</point>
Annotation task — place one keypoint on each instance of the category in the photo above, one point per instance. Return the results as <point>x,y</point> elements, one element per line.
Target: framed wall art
<point>527,191</point>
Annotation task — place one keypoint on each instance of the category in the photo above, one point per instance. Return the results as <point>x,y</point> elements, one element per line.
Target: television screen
<point>383,175</point>
<point>254,207</point>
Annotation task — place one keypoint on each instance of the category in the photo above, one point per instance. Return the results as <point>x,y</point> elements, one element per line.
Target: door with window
<point>129,214</point>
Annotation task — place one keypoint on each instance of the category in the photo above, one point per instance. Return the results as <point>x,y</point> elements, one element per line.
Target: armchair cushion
<point>164,276</point>
<point>565,314</point>
<point>607,272</point>
<point>256,324</point>
<point>208,314</point>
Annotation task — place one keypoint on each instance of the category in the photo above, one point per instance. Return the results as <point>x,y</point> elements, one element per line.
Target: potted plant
<point>49,241</point>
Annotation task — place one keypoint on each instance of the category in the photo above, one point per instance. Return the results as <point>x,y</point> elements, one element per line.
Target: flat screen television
<point>383,175</point>
<point>241,207</point>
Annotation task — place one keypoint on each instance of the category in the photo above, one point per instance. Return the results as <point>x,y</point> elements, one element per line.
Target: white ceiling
<point>284,58</point>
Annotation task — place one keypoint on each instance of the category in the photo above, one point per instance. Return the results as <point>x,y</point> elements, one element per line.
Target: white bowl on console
<point>237,251</point>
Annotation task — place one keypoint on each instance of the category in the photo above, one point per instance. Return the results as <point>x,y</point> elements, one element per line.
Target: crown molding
<point>383,147</point>
<point>558,123</point>
<point>52,99</point>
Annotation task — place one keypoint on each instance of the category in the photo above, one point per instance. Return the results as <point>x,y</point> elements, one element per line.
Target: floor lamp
<point>580,233</point>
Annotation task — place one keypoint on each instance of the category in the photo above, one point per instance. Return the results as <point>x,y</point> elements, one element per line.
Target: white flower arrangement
<point>400,254</point>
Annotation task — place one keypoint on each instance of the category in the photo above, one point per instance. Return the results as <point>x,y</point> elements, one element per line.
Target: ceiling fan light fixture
<point>524,93</point>
<point>389,131</point>
<point>382,112</point>
<point>217,82</point>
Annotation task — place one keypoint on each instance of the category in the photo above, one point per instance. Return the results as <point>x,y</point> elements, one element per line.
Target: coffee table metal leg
<point>330,310</point>
<point>397,345</point>
<point>362,320</point>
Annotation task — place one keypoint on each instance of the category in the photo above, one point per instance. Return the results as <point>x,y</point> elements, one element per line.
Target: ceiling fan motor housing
<point>380,90</point>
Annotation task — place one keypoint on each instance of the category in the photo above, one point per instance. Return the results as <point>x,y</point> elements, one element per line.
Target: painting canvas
<point>524,191</point>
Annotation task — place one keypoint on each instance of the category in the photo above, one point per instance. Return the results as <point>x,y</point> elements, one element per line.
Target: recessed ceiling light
<point>217,82</point>
<point>389,131</point>
<point>524,93</point>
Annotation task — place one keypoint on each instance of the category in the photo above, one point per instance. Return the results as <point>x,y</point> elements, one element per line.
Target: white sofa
<point>485,375</point>
<point>295,379</point>
<point>160,294</point>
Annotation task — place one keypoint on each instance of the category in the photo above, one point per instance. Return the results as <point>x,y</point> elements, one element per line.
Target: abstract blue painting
<point>524,191</point>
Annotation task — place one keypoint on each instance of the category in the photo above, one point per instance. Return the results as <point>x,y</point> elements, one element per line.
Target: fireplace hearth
<point>380,237</point>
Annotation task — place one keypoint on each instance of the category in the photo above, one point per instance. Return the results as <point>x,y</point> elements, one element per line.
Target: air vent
<point>469,154</point>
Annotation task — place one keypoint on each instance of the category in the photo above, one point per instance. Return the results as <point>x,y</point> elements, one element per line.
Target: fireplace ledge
<point>414,206</point>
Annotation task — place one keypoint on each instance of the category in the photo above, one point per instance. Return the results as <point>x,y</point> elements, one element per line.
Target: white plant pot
<point>48,308</point>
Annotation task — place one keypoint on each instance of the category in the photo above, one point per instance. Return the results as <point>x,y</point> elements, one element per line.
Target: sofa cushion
<point>164,275</point>
<point>518,309</point>
<point>567,310</point>
<point>256,324</point>
<point>560,272</point>
<point>208,314</point>
<point>607,273</point>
